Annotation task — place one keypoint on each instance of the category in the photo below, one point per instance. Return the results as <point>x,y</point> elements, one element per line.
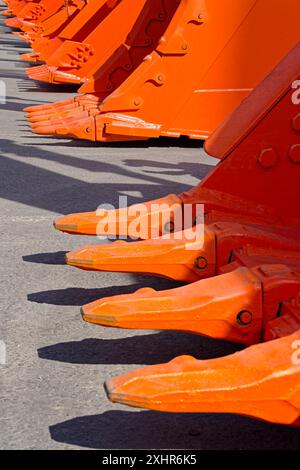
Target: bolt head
<point>296,122</point>
<point>268,158</point>
<point>201,263</point>
<point>294,153</point>
<point>244,318</point>
<point>160,78</point>
<point>169,227</point>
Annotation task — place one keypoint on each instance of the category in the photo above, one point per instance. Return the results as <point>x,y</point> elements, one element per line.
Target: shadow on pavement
<point>154,430</point>
<point>57,258</point>
<point>141,349</point>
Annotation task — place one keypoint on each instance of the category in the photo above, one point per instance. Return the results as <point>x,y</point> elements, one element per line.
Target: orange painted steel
<point>243,269</point>
<point>43,20</point>
<point>261,382</point>
<point>249,262</point>
<point>146,22</point>
<point>16,6</point>
<point>205,63</point>
<point>30,13</point>
<point>93,44</point>
<point>68,51</point>
<point>51,26</point>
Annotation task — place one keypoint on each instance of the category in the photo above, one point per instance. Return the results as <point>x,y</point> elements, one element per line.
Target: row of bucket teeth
<point>220,74</point>
<point>243,273</point>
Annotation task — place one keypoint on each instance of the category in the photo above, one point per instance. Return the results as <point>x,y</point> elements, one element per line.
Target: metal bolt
<point>169,227</point>
<point>296,122</point>
<point>244,318</point>
<point>137,102</point>
<point>184,47</point>
<point>294,153</point>
<point>267,158</point>
<point>201,263</point>
<point>88,130</point>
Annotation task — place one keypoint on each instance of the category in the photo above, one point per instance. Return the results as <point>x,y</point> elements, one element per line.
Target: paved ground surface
<point>51,387</point>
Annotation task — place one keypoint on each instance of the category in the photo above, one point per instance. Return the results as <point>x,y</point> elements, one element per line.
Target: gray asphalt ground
<point>52,393</point>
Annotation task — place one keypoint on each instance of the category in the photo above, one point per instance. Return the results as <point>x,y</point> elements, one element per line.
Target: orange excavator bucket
<point>69,54</point>
<point>167,94</point>
<point>242,266</point>
<point>30,13</point>
<point>41,20</point>
<point>45,41</point>
<point>16,6</point>
<point>86,43</point>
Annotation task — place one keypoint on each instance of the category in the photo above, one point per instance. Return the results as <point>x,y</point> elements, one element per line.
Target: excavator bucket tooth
<point>31,57</point>
<point>156,106</point>
<point>262,382</point>
<point>60,105</point>
<point>65,121</point>
<point>242,304</point>
<point>226,307</point>
<point>155,218</point>
<point>6,12</point>
<point>23,36</point>
<point>61,126</point>
<point>186,259</point>
<point>50,74</point>
<point>12,22</point>
<point>67,112</point>
<point>57,115</point>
